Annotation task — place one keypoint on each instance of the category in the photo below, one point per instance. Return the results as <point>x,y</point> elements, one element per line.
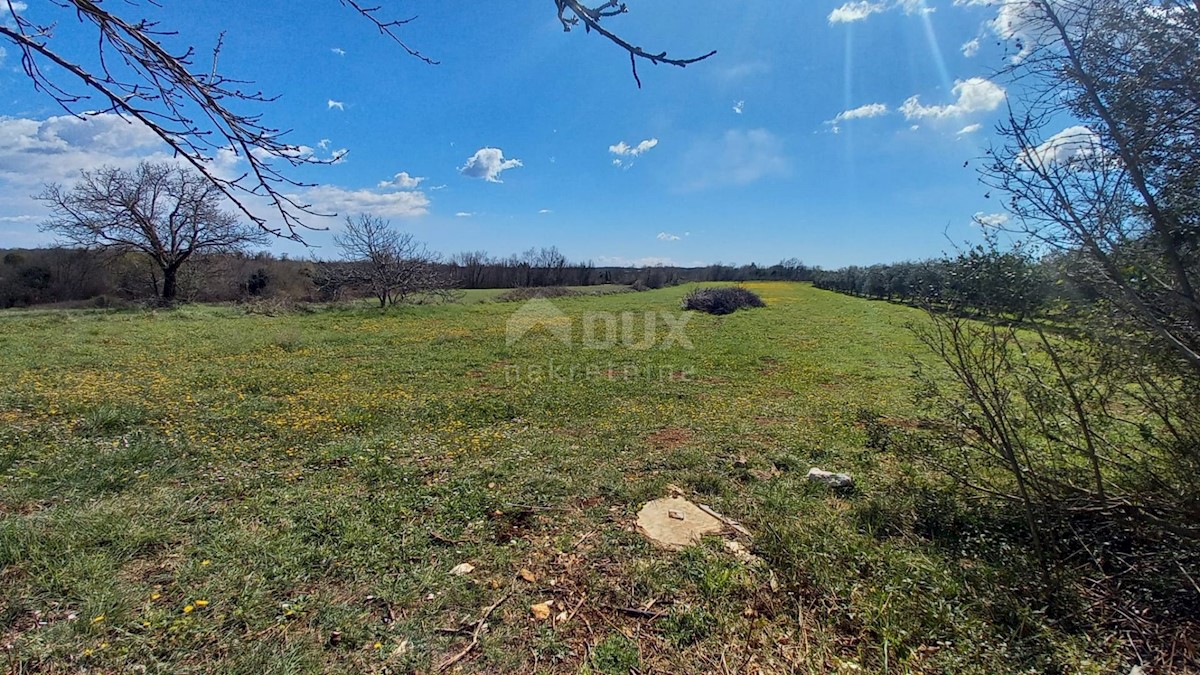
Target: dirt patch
<point>511,524</point>
<point>669,438</point>
<point>153,571</point>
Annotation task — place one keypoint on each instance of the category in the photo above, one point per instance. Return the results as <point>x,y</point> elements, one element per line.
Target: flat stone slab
<point>675,522</point>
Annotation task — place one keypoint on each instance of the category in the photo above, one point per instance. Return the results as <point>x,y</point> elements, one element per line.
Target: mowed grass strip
<point>206,490</point>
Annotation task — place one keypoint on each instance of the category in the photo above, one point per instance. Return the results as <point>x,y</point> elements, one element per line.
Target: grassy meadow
<point>205,490</point>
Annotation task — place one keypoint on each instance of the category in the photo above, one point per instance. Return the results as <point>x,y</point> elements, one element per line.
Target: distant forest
<point>74,277</point>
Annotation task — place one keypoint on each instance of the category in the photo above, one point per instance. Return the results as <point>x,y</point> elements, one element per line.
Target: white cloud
<point>625,152</point>
<point>395,204</point>
<point>855,11</point>
<point>338,50</point>
<point>488,164</point>
<point>1072,146</point>
<point>402,181</point>
<point>861,112</point>
<point>464,214</point>
<point>1015,17</point>
<point>3,55</point>
<point>331,104</point>
<point>969,129</point>
<point>858,10</point>
<point>974,95</point>
<point>737,158</point>
<point>1023,21</point>
<point>667,236</point>
<point>914,7</point>
<point>970,48</point>
<point>34,152</point>
<point>55,149</point>
<point>990,219</point>
<point>323,144</point>
<point>544,212</point>
<point>20,219</point>
<point>739,107</point>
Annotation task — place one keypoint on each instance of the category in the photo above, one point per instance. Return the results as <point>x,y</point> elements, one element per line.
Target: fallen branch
<point>729,522</point>
<point>634,611</point>
<point>475,634</point>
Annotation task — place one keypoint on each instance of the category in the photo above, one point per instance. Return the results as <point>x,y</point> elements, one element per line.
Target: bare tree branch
<point>199,112</point>
<point>571,12</point>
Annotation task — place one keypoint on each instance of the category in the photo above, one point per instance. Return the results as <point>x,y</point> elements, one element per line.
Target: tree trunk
<point>170,288</point>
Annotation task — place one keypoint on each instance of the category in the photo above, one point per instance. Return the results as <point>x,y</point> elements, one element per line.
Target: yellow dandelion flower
<point>378,645</point>
<point>201,603</point>
<point>188,609</point>
<point>98,619</point>
<point>155,596</point>
<point>205,563</point>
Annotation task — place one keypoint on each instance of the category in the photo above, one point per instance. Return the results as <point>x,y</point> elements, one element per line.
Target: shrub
<point>721,300</point>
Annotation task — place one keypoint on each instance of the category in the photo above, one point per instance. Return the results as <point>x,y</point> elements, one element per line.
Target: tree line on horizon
<point>88,277</point>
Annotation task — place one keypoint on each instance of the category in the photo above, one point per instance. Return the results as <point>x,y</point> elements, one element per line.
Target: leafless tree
<point>195,108</point>
<point>1106,422</point>
<point>388,264</point>
<point>165,211</point>
<point>472,266</point>
<point>1121,185</point>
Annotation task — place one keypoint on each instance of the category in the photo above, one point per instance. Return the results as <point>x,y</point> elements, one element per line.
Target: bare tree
<point>472,266</point>
<point>165,211</point>
<point>1107,422</point>
<point>1120,184</point>
<point>195,108</point>
<point>388,264</point>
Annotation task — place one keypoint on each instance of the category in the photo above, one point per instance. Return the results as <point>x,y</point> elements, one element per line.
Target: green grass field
<point>206,490</point>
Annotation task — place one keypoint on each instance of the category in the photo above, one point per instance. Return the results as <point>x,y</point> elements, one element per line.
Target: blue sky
<point>740,158</point>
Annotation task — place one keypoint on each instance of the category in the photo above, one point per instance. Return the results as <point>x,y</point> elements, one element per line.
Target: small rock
<point>740,552</point>
<point>675,515</point>
<point>528,576</point>
<point>541,611</point>
<point>833,480</point>
<point>461,569</point>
